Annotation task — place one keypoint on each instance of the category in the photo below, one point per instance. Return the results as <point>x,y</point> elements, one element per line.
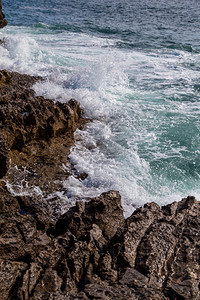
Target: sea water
<point>134,66</point>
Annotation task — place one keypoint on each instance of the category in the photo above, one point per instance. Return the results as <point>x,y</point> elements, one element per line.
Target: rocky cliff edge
<point>91,251</point>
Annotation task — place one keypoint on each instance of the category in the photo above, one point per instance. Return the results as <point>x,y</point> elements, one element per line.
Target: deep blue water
<point>143,24</point>
<point>135,68</point>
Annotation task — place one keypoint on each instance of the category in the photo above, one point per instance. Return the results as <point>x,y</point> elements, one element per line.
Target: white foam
<point>128,94</point>
<point>20,186</point>
<point>18,53</point>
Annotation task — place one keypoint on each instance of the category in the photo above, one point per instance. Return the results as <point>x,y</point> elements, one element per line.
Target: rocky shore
<point>91,251</point>
<point>35,135</point>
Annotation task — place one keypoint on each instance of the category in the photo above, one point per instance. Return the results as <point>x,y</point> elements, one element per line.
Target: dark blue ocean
<point>134,66</point>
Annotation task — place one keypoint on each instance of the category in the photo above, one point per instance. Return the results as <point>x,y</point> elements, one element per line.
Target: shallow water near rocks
<point>135,70</point>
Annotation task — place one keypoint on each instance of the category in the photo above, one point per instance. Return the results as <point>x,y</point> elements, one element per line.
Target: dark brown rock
<point>54,266</point>
<point>102,211</point>
<point>25,118</point>
<point>36,136</point>
<point>154,254</point>
<point>3,21</point>
<point>3,158</point>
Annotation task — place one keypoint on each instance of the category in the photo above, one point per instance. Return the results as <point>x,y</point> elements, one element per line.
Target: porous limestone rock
<point>81,257</point>
<point>36,135</point>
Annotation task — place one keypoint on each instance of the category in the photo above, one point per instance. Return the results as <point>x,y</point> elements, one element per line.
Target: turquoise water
<point>135,69</point>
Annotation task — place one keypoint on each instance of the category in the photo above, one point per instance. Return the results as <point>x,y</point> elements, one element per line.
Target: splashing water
<point>141,87</point>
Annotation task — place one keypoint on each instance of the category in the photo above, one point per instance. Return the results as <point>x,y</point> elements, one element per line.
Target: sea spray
<point>139,83</point>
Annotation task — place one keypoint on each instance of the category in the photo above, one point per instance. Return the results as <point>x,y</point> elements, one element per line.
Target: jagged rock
<point>136,226</point>
<point>25,118</point>
<point>11,273</point>
<point>154,254</point>
<point>3,158</point>
<point>5,77</point>
<point>3,21</point>
<point>36,135</point>
<point>102,211</point>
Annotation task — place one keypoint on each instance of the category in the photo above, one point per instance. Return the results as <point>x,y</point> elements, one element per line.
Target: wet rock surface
<point>36,135</point>
<point>3,21</point>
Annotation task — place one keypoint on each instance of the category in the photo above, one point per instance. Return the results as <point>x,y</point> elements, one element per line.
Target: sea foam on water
<point>144,106</point>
